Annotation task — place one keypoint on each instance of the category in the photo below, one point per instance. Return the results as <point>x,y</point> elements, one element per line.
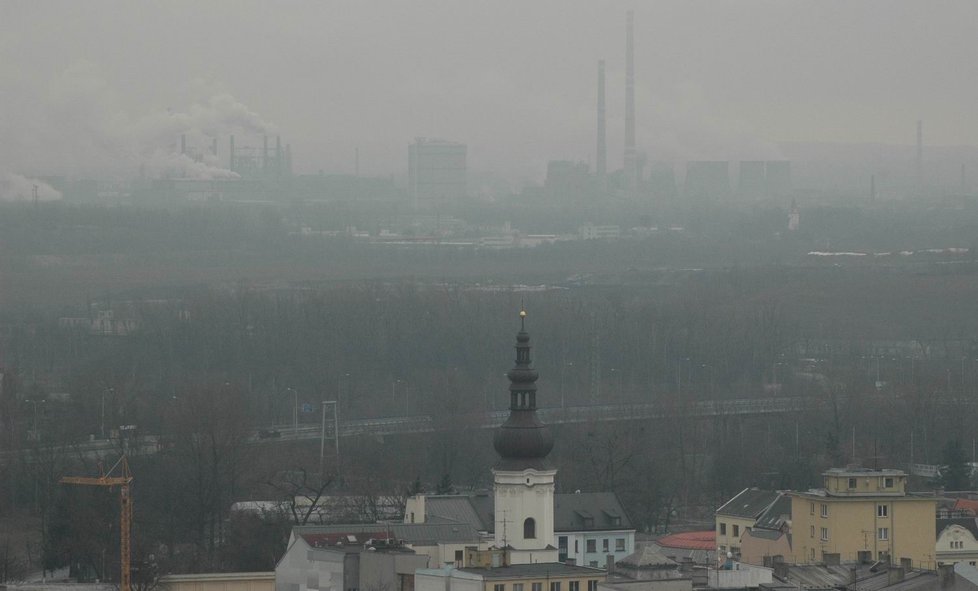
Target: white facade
<point>303,568</point>
<point>591,548</point>
<point>523,501</point>
<point>956,544</point>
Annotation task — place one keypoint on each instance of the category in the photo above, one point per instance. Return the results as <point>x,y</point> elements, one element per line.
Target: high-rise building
<point>436,172</point>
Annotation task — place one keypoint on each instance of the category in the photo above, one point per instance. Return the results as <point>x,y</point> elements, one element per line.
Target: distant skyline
<point>103,85</point>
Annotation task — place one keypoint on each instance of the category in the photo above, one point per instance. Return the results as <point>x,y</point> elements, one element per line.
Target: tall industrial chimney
<point>920,156</point>
<point>601,161</point>
<point>631,168</point>
<point>231,153</point>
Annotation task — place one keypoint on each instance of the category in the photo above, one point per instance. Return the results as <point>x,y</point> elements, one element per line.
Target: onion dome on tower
<point>523,441</point>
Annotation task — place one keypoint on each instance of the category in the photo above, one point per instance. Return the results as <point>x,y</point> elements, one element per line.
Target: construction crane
<point>123,481</point>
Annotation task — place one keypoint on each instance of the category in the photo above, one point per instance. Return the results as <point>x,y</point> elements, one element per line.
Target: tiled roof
<point>603,510</point>
<point>469,509</point>
<point>969,523</point>
<point>776,514</point>
<point>535,570</point>
<point>690,540</point>
<point>413,533</point>
<point>749,503</point>
<point>648,556</point>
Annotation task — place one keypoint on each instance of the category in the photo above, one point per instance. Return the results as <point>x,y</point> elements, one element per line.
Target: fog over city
<point>435,295</point>
<point>714,80</point>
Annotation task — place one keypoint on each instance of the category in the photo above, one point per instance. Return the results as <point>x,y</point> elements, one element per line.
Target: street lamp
<point>35,403</point>
<point>562,368</point>
<point>101,428</point>
<point>336,437</point>
<point>394,389</point>
<point>295,410</point>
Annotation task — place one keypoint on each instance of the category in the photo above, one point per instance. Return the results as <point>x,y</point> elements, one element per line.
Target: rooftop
<point>529,571</point>
<point>690,540</point>
<point>749,503</point>
<point>859,471</point>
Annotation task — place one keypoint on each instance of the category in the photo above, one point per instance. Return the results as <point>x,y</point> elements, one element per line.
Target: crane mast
<point>124,482</point>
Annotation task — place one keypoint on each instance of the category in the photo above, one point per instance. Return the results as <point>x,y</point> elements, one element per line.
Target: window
<point>825,510</point>
<point>562,542</point>
<point>811,508</point>
<point>882,510</point>
<point>888,482</point>
<point>813,554</point>
<point>723,528</point>
<point>574,586</point>
<point>529,529</point>
<point>736,530</point>
<point>811,531</point>
<point>619,544</point>
<point>458,557</point>
<point>883,533</point>
<point>517,586</point>
<point>593,564</point>
<point>852,483</point>
<point>824,534</point>
<point>412,516</point>
<point>554,585</point>
<point>577,546</point>
<point>499,587</point>
<point>592,585</point>
<point>536,587</point>
<point>592,546</point>
<point>604,545</point>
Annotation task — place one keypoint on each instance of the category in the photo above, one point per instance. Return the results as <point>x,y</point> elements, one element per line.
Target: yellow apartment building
<point>862,514</point>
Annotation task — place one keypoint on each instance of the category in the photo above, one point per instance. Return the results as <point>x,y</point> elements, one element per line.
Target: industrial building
<point>707,180</point>
<point>436,172</point>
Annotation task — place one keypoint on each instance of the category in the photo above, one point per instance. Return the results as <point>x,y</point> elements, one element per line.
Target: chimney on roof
<point>945,574</point>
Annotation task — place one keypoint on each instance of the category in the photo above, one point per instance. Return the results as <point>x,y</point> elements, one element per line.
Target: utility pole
<point>336,437</point>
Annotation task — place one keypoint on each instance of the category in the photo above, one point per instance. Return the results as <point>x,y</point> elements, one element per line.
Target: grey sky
<point>514,80</point>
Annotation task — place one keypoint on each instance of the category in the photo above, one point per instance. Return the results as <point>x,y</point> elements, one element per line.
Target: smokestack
<point>601,163</point>
<point>631,176</point>
<point>920,155</point>
<point>183,143</point>
<point>231,154</point>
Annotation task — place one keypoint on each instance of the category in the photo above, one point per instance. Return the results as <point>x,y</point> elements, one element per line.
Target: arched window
<point>529,529</point>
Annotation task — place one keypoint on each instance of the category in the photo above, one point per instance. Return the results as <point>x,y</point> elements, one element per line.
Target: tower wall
<point>517,496</point>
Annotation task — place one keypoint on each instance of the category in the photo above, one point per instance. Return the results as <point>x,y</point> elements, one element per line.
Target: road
<point>552,416</point>
<point>149,444</point>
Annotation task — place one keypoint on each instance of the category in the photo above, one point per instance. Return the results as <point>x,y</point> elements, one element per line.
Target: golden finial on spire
<point>522,314</point>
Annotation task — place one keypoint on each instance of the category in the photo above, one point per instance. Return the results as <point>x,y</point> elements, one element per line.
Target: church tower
<point>523,482</point>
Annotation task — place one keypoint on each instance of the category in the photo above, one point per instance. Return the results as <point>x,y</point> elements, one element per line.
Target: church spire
<point>523,439</point>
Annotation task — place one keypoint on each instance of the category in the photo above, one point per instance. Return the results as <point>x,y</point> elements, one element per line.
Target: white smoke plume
<point>15,187</point>
<point>78,128</point>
